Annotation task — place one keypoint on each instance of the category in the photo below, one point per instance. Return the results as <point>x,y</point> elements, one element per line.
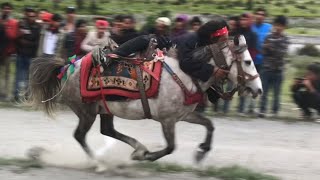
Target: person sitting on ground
<point>306,91</point>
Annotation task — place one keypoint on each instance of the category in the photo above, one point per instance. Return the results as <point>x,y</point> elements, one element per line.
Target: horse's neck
<point>185,78</point>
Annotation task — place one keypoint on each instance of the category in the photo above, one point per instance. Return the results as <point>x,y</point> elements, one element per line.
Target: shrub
<point>313,11</point>
<point>310,2</point>
<point>291,2</point>
<point>237,3</point>
<point>285,10</point>
<point>162,2</point>
<point>309,50</point>
<point>279,4</point>
<point>301,7</point>
<point>221,7</point>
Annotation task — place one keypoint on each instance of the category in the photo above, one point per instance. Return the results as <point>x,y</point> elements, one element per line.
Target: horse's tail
<point>43,82</point>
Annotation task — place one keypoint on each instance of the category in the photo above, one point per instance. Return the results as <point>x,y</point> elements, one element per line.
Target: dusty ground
<point>288,150</point>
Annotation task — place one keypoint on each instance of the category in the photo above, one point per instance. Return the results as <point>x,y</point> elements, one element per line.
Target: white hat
<point>163,20</point>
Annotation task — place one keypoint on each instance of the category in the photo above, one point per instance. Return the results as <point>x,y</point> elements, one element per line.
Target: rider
<point>212,32</point>
<point>141,43</point>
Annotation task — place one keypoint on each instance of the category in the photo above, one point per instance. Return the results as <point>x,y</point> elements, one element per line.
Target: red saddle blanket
<point>119,79</point>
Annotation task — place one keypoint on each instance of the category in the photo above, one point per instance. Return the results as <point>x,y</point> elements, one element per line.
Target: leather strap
<point>144,99</point>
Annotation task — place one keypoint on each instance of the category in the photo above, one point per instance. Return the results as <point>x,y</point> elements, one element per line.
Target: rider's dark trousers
<point>134,45</point>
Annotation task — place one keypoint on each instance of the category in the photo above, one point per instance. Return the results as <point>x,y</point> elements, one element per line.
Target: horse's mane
<point>201,53</point>
<point>173,53</point>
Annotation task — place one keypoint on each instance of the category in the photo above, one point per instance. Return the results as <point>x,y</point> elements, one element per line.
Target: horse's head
<point>235,57</point>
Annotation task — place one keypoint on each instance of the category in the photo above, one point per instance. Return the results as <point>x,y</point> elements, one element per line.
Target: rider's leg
<point>137,44</point>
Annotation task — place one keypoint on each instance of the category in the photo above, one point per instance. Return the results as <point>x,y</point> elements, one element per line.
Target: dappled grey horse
<point>167,108</point>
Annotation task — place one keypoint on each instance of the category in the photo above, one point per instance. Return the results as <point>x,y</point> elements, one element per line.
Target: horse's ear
<point>242,40</point>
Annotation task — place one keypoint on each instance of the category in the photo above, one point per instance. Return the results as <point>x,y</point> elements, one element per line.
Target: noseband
<point>220,61</point>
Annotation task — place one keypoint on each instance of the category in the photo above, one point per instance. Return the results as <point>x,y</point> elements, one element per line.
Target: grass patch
<point>109,7</point>
<point>303,31</point>
<point>235,173</point>
<point>225,173</point>
<point>22,163</point>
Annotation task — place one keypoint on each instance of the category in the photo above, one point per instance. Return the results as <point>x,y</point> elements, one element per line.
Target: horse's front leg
<point>168,128</point>
<point>204,148</point>
<point>107,128</point>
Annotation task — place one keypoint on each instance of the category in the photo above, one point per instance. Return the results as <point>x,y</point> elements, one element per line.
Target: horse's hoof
<point>200,155</point>
<point>138,155</point>
<point>101,168</point>
<point>35,153</point>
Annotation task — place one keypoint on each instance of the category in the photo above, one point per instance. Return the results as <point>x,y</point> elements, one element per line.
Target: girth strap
<point>144,99</point>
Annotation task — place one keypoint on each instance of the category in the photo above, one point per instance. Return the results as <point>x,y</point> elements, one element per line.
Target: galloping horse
<point>167,108</point>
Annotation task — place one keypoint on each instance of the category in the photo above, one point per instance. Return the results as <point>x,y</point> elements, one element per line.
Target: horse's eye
<point>247,63</point>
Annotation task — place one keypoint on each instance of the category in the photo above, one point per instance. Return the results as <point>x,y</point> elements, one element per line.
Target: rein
<point>242,77</point>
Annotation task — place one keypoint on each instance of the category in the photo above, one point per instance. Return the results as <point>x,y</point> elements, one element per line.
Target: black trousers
<point>306,101</point>
<point>134,45</point>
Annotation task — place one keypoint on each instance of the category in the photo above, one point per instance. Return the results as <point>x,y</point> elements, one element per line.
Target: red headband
<point>102,23</point>
<point>220,32</point>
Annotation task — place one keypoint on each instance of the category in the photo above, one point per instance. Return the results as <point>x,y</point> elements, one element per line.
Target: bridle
<point>220,61</point>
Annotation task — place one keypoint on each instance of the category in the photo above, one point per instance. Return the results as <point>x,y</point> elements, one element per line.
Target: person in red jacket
<point>11,29</point>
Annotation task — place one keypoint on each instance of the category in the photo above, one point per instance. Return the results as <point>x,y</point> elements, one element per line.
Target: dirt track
<point>290,151</point>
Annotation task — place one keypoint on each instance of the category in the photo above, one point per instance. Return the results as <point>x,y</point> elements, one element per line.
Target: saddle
<point>118,77</point>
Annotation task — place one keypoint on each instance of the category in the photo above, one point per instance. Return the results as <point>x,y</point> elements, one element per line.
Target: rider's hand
<point>219,74</point>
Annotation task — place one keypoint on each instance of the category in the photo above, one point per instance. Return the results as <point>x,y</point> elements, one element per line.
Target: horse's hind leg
<point>107,128</point>
<point>85,123</point>
<point>197,118</point>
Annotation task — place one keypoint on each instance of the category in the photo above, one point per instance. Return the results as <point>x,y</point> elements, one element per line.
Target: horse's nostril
<point>259,91</point>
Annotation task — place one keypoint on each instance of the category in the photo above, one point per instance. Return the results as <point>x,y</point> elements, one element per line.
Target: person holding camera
<point>306,91</point>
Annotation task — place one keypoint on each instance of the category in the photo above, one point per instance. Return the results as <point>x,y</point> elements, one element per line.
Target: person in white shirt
<point>52,37</point>
<point>97,38</point>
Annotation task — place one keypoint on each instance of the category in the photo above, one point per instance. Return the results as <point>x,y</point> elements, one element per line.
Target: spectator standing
<point>306,91</point>
<point>52,37</point>
<point>73,40</point>
<point>161,27</point>
<point>96,38</point>
<point>11,27</point>
<point>195,23</point>
<point>70,20</point>
<point>124,29</point>
<point>262,29</point>
<point>180,27</point>
<point>27,46</point>
<point>128,30</point>
<point>116,27</point>
<point>251,39</point>
<point>233,24</point>
<point>274,50</point>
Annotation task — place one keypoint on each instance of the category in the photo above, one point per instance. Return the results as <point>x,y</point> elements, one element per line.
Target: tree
<point>79,4</point>
<point>93,6</point>
<point>249,4</point>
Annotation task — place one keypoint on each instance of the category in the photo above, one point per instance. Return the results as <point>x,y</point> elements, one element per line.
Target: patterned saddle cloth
<point>119,79</point>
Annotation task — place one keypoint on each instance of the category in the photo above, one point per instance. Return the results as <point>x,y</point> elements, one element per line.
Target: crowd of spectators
<point>41,32</point>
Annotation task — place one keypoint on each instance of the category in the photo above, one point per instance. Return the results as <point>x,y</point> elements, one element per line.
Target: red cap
<point>46,16</point>
<point>102,24</point>
<point>220,32</point>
